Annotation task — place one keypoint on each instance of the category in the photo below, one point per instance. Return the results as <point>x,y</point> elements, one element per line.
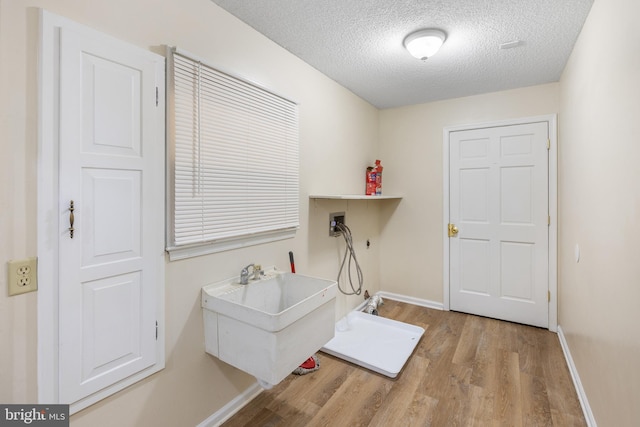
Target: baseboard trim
<point>230,409</point>
<point>582,396</point>
<point>412,300</point>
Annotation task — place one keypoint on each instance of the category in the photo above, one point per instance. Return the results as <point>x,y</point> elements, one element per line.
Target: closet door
<point>110,218</point>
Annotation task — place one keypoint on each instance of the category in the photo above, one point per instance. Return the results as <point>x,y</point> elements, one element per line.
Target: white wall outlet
<point>22,276</point>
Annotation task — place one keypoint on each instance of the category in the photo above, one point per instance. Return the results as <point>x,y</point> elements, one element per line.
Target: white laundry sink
<point>269,326</point>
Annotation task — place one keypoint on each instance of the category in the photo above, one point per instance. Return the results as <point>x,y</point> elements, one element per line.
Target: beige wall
<point>338,134</point>
<point>600,210</point>
<point>411,150</point>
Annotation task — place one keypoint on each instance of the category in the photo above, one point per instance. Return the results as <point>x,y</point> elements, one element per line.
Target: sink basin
<point>271,303</point>
<point>269,326</point>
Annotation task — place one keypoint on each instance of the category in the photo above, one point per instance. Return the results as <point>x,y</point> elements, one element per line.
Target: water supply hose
<point>348,239</point>
<point>372,305</point>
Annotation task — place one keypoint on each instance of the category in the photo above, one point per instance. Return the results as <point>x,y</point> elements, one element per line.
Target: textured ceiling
<point>359,43</point>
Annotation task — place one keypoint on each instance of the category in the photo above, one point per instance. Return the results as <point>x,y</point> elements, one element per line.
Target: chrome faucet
<point>244,274</point>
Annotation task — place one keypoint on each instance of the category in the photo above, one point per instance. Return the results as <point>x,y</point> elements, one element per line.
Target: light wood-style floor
<point>466,371</point>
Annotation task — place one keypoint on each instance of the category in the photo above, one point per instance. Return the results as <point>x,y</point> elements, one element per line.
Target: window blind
<point>235,159</point>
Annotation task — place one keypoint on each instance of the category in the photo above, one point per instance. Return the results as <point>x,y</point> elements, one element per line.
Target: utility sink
<point>271,325</point>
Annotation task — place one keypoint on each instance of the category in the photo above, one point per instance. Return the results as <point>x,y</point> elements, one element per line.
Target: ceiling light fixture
<point>423,44</point>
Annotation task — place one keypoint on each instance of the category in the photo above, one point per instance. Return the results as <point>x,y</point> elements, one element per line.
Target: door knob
<point>453,230</point>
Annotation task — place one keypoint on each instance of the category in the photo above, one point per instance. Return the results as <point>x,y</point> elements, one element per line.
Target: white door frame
<point>553,205</point>
<point>47,221</point>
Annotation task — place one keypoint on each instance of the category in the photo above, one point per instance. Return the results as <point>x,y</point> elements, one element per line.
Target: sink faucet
<point>244,274</point>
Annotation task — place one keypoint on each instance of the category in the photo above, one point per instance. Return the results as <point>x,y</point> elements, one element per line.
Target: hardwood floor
<point>466,371</point>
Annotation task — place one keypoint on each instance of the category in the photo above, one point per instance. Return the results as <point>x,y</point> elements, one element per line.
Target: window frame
<point>181,251</point>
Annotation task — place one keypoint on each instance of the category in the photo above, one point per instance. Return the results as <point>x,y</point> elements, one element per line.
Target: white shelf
<point>352,197</point>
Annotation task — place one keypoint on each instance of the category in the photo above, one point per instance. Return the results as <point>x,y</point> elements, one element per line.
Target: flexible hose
<point>348,239</point>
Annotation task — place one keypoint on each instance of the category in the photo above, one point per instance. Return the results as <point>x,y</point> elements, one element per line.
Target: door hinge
<point>157,96</point>
<point>549,296</point>
<point>549,220</point>
<point>548,144</point>
<point>156,330</point>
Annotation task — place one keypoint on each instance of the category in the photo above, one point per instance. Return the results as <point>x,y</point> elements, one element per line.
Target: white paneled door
<point>499,217</point>
<point>111,182</point>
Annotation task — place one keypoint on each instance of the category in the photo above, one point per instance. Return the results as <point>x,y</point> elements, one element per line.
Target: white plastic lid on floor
<point>373,342</point>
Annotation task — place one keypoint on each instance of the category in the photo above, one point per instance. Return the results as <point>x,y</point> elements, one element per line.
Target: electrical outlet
<point>335,218</point>
<point>22,276</point>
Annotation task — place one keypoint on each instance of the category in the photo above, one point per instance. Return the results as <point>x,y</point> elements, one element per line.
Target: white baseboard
<point>412,300</point>
<point>228,410</point>
<point>582,396</point>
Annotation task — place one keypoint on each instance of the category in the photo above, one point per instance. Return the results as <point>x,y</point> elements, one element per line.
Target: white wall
<point>332,121</point>
<point>411,152</point>
<point>599,202</point>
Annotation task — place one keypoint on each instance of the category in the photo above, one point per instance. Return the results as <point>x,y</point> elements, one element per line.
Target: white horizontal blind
<point>236,157</point>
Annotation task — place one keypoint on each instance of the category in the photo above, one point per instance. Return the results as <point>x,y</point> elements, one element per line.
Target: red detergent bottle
<point>378,172</point>
<point>370,189</point>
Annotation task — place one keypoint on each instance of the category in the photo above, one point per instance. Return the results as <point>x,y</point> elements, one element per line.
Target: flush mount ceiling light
<point>424,44</point>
